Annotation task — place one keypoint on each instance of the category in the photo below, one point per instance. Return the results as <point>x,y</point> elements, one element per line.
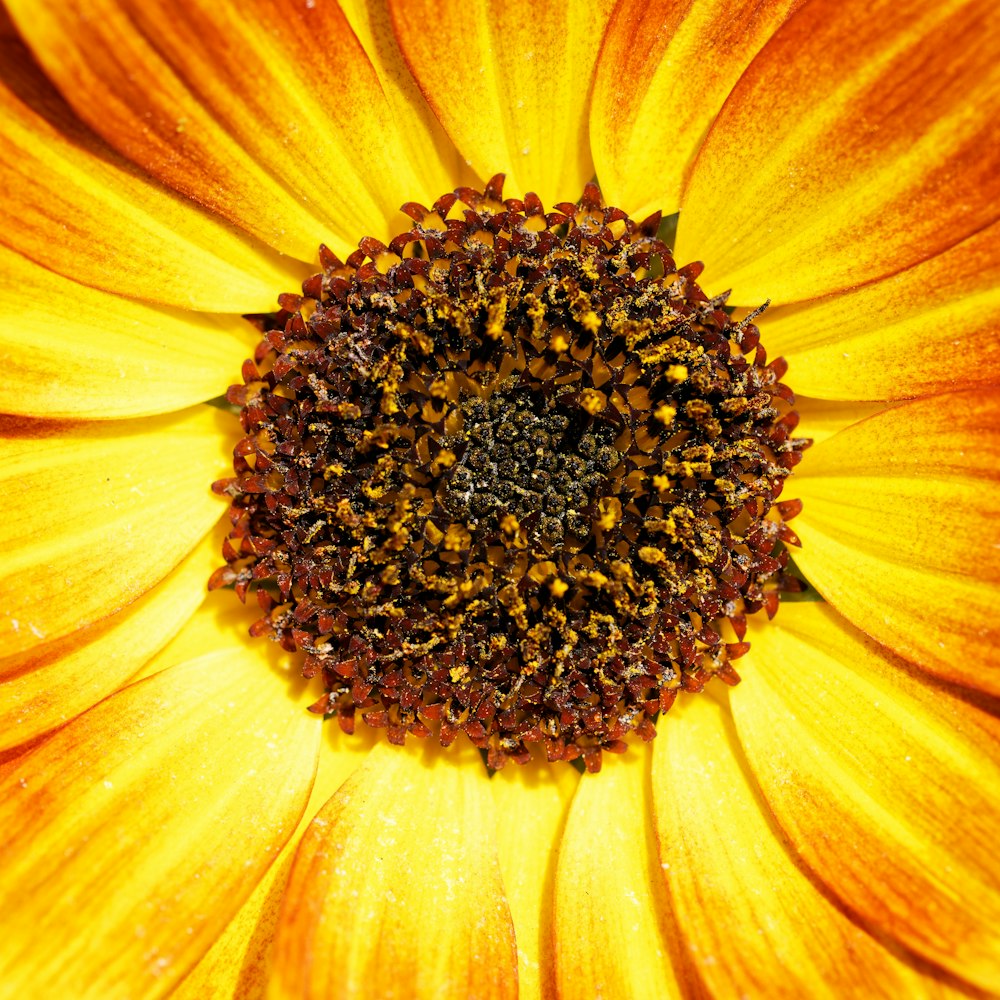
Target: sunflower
<point>506,477</point>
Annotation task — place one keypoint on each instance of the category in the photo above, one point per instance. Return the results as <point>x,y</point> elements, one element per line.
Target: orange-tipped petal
<point>888,789</point>
<point>531,806</point>
<point>270,115</point>
<point>75,206</point>
<point>861,140</point>
<point>901,531</point>
<point>68,350</point>
<point>665,55</point>
<point>932,328</point>
<point>752,923</point>
<point>395,890</point>
<point>610,903</point>
<point>513,90</point>
<point>97,514</point>
<point>45,687</point>
<point>133,835</point>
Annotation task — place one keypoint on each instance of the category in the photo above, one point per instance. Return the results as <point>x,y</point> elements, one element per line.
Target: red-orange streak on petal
<point>861,140</point>
<point>43,688</point>
<point>269,114</point>
<point>97,514</point>
<point>74,205</point>
<point>888,789</point>
<point>901,531</point>
<point>133,835</point>
<point>395,891</point>
<point>662,54</point>
<point>932,328</point>
<point>513,90</point>
<point>433,155</point>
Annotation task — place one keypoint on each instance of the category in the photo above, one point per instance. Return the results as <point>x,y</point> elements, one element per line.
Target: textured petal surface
<point>427,146</point>
<point>664,71</point>
<point>752,922</point>
<point>97,514</point>
<point>298,150</point>
<point>513,90</point>
<point>901,531</point>
<point>531,806</point>
<point>75,206</point>
<point>44,687</point>
<point>889,790</point>
<point>72,351</point>
<point>404,855</point>
<point>860,140</point>
<point>611,909</point>
<point>134,834</point>
<point>931,328</point>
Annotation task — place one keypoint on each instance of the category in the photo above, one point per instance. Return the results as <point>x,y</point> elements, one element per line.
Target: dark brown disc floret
<point>510,475</point>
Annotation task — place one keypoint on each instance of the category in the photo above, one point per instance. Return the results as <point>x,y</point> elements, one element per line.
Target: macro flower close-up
<point>502,499</point>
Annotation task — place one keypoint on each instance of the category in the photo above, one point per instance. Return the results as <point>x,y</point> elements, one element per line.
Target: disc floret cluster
<point>512,475</point>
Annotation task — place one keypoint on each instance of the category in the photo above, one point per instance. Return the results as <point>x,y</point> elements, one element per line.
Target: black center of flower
<point>528,460</point>
<point>508,476</point>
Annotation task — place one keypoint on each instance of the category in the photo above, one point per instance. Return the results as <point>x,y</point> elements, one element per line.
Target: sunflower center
<point>510,475</point>
<point>527,462</point>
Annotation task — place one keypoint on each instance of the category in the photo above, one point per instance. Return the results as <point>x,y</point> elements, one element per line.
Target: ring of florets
<point>510,475</point>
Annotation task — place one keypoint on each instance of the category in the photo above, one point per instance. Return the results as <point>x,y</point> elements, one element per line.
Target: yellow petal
<point>97,514</point>
<point>611,910</point>
<point>223,102</point>
<point>395,891</point>
<point>43,688</point>
<point>513,90</point>
<point>238,963</point>
<point>133,835</point>
<point>888,789</point>
<point>822,418</point>
<point>222,621</point>
<point>73,205</point>
<point>752,922</point>
<point>72,351</point>
<point>858,142</point>
<point>901,531</point>
<point>531,805</point>
<point>930,328</point>
<point>664,71</point>
<point>433,155</point>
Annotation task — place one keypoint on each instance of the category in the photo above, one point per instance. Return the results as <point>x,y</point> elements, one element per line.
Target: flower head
<point>507,475</point>
<point>511,470</point>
